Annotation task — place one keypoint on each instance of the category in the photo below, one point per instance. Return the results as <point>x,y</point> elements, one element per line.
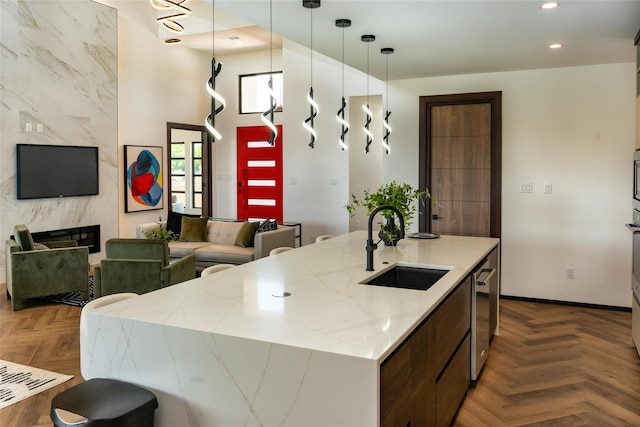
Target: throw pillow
<point>267,225</point>
<point>194,229</point>
<point>23,237</point>
<point>245,236</point>
<point>174,221</point>
<point>40,246</point>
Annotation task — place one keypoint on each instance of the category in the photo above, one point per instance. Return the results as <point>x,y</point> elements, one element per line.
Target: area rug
<point>17,382</point>
<point>71,298</point>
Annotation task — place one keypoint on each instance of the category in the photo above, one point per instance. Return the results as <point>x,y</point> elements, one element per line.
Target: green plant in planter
<point>161,233</point>
<point>402,196</point>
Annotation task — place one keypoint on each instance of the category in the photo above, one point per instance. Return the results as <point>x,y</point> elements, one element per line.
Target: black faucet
<point>373,246</point>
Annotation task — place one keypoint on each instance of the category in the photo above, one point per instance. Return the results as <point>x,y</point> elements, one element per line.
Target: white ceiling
<point>430,38</point>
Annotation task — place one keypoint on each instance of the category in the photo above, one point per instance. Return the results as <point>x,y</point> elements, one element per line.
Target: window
<point>186,172</point>
<point>254,92</point>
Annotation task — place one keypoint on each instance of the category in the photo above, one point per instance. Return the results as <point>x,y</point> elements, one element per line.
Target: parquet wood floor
<point>552,365</point>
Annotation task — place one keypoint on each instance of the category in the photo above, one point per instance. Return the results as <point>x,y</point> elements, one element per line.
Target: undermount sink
<point>408,277</point>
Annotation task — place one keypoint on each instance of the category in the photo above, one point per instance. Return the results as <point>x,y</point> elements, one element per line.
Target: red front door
<point>259,173</point>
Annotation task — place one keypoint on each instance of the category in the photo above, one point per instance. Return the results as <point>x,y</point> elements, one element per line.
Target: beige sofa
<point>219,248</point>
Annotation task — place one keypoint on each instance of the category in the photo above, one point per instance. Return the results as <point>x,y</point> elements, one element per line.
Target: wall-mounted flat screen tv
<point>45,171</point>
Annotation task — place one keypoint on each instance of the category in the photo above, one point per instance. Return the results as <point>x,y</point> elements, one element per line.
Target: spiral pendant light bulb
<point>210,122</point>
<point>367,132</point>
<point>367,38</point>
<point>308,123</point>
<point>343,124</point>
<point>267,116</point>
<point>387,132</point>
<point>387,128</point>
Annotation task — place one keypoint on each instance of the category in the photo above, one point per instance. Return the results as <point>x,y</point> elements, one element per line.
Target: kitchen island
<point>232,349</point>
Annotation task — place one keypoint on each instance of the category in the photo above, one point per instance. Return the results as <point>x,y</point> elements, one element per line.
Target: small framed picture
<point>143,178</point>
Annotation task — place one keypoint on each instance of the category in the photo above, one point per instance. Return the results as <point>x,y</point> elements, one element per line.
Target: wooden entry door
<point>259,172</point>
<point>460,163</point>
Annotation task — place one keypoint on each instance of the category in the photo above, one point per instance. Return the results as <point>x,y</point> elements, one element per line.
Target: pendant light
<point>344,124</point>
<point>368,38</point>
<point>387,129</point>
<point>308,123</point>
<point>178,12</point>
<point>210,122</point>
<point>267,116</point>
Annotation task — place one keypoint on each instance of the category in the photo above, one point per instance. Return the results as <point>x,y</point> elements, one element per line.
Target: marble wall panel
<point>59,69</point>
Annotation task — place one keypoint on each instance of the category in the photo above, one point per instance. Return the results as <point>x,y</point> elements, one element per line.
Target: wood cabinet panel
<point>395,374</point>
<point>453,384</point>
<point>452,322</point>
<point>409,385</point>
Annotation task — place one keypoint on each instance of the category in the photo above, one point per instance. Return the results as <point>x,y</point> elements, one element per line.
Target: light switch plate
<point>526,187</point>
<point>548,188</point>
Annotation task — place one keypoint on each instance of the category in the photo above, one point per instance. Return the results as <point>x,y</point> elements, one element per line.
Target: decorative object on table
<point>402,196</point>
<point>19,382</point>
<point>35,273</point>
<point>161,233</point>
<point>143,175</point>
<point>423,236</point>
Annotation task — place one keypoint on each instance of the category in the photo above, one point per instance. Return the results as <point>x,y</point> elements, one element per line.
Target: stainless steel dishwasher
<point>484,287</point>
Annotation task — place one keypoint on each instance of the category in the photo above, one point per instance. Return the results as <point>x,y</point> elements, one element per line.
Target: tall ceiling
<point>429,38</point>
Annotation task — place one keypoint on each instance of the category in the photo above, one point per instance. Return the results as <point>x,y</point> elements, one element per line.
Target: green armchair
<point>59,267</point>
<point>139,266</point>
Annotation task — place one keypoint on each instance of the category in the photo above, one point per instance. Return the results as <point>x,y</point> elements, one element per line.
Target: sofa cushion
<point>224,254</point>
<point>182,249</point>
<point>223,232</point>
<point>267,225</point>
<point>174,221</point>
<point>194,229</point>
<point>23,238</point>
<point>40,246</point>
<point>245,236</point>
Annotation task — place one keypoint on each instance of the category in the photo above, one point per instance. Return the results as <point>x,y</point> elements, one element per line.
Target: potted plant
<point>161,233</point>
<point>402,196</point>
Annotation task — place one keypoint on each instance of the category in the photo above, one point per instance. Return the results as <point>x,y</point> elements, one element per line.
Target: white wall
<point>156,84</point>
<point>51,76</point>
<point>573,127</point>
<point>316,181</point>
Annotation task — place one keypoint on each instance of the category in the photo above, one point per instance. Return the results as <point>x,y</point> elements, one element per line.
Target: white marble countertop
<point>328,309</point>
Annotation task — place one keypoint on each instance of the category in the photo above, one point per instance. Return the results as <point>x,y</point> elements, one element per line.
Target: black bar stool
<point>104,402</point>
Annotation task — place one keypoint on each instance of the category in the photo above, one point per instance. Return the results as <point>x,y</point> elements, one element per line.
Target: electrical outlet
<point>28,127</point>
<point>571,272</point>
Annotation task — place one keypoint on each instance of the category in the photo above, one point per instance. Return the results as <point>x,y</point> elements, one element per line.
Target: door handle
<point>489,274</point>
<point>436,217</point>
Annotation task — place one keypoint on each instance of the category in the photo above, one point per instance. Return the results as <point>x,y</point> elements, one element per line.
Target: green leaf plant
<point>402,196</point>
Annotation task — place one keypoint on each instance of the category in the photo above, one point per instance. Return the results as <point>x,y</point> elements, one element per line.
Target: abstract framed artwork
<point>143,178</point>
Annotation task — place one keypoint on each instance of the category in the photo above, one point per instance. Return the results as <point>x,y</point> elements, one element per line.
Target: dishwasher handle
<point>488,274</point>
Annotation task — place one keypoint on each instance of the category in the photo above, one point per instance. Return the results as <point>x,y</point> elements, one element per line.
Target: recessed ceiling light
<point>555,46</point>
<point>550,5</point>
<point>172,41</point>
